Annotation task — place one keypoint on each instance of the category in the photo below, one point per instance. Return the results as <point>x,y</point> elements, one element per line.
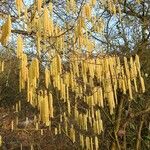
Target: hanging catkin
<point>51,8</point>
<point>87,142</point>
<point>19,47</point>
<point>47,77</point>
<point>81,140</point>
<point>2,66</point>
<point>142,84</point>
<point>6,31</point>
<point>1,141</point>
<point>45,21</point>
<point>96,143</point>
<point>51,108</point>
<point>72,133</point>
<point>39,4</point>
<point>12,125</point>
<point>93,2</point>
<point>19,6</point>
<point>87,11</point>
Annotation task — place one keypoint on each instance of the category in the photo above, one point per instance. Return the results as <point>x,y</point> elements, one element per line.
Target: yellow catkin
<point>51,111</point>
<point>19,105</point>
<point>1,141</point>
<point>110,7</point>
<point>6,31</point>
<point>91,143</point>
<point>26,14</point>
<point>142,84</point>
<point>85,122</point>
<point>59,129</point>
<point>12,125</point>
<point>36,126</point>
<point>46,109</point>
<point>2,66</point>
<point>137,64</point>
<point>42,132</point>
<point>39,4</point>
<point>32,147</point>
<point>56,131</point>
<point>19,47</point>
<point>47,77</point>
<point>81,141</point>
<point>51,8</point>
<point>119,10</point>
<point>130,89</point>
<point>93,2</point>
<point>19,6</point>
<point>58,59</point>
<point>21,146</point>
<point>72,133</point>
<point>114,9</point>
<point>87,142</point>
<point>68,107</point>
<point>45,21</point>
<point>135,85</point>
<point>87,11</point>
<point>96,143</point>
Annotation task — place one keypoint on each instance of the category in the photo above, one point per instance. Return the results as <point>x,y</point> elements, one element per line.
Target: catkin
<point>6,31</point>
<point>1,141</point>
<point>2,66</point>
<point>96,143</point>
<point>19,6</point>
<point>87,11</point>
<point>39,4</point>
<point>19,47</point>
<point>130,89</point>
<point>51,8</point>
<point>47,77</point>
<point>12,125</point>
<point>72,133</point>
<point>142,84</point>
<point>45,21</point>
<point>87,142</point>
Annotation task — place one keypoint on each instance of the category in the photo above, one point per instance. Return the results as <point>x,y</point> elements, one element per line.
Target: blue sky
<point>28,2</point>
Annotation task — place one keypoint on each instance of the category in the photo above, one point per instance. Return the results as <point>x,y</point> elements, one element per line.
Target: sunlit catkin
<point>19,47</point>
<point>6,31</point>
<point>12,125</point>
<point>87,142</point>
<point>130,89</point>
<point>45,21</point>
<point>1,141</point>
<point>50,8</point>
<point>19,5</point>
<point>72,133</point>
<point>39,4</point>
<point>96,143</point>
<point>81,140</point>
<point>51,111</point>
<point>142,84</point>
<point>2,66</point>
<point>36,126</point>
<point>47,77</point>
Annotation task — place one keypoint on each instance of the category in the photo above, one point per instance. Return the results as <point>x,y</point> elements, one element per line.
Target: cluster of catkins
<point>73,91</point>
<point>91,81</point>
